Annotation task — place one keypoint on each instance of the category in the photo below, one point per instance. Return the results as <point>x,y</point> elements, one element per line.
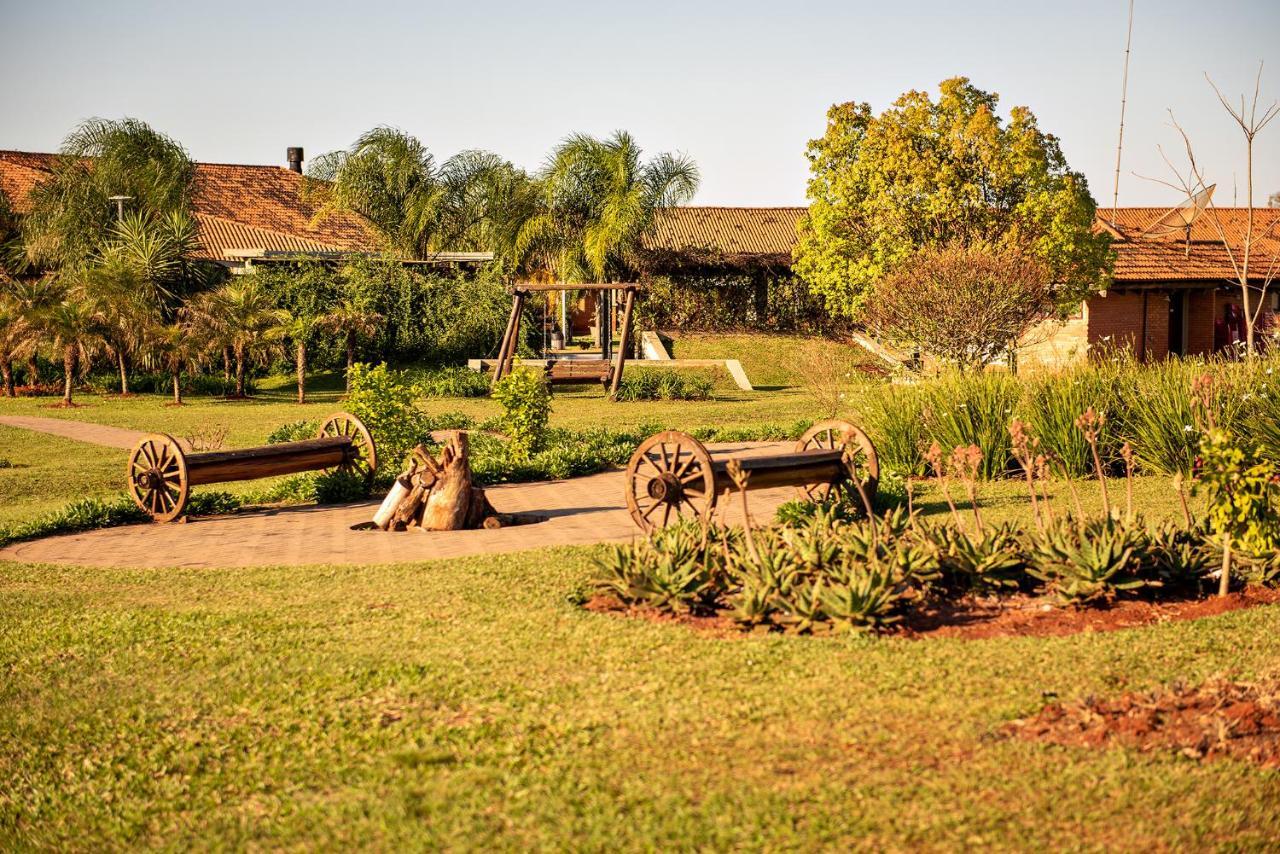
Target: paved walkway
<point>81,431</point>
<point>581,511</point>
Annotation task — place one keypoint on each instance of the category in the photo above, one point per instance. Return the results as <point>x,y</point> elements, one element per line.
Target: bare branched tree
<point>1245,263</point>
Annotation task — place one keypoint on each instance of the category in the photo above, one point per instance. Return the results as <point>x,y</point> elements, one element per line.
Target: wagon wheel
<point>363,460</point>
<point>157,473</point>
<point>832,435</point>
<point>669,475</point>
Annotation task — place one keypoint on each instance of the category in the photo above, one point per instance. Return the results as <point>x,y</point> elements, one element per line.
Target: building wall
<point>1116,320</point>
<point>1202,310</point>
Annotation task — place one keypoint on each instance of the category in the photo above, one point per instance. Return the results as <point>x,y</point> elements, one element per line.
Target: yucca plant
<point>865,598</point>
<point>670,572</point>
<point>1179,557</point>
<point>994,561</point>
<point>1090,561</point>
<point>800,608</point>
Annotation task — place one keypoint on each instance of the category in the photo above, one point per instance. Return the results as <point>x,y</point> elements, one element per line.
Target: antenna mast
<point>1124,96</point>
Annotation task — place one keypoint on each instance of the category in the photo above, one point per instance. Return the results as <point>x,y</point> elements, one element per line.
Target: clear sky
<point>741,86</point>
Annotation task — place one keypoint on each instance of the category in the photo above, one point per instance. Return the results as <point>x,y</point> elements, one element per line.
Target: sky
<point>739,86</point>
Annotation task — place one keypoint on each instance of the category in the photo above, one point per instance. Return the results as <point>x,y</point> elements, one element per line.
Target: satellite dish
<point>1179,219</point>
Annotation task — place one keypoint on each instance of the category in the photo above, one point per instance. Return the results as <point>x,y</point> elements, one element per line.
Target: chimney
<point>294,153</point>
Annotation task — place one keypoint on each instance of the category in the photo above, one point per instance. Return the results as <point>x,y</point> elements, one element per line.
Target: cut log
<point>449,504</point>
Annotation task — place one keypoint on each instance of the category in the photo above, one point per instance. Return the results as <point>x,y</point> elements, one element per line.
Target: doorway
<point>1178,323</point>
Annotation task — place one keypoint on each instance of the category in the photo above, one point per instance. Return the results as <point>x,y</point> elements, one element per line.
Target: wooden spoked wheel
<point>836,435</point>
<point>670,477</point>
<point>158,477</point>
<point>363,458</point>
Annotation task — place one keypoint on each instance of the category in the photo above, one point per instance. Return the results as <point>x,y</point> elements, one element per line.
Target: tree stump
<point>438,494</point>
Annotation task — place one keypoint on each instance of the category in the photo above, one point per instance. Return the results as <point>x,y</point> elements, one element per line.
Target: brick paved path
<point>582,510</point>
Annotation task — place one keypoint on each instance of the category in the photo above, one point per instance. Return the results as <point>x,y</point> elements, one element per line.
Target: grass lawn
<point>468,704</point>
<point>770,361</point>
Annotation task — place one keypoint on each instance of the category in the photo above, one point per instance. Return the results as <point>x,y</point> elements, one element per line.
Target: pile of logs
<point>438,494</point>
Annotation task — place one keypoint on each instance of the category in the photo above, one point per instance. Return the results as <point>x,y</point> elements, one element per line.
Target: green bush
<point>453,382</point>
<point>663,384</point>
<point>89,514</point>
<point>294,431</point>
<point>526,407</point>
<point>1091,560</point>
<point>385,400</point>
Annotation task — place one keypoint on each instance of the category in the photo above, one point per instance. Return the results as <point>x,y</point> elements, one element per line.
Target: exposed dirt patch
<point>1039,616</point>
<point>992,617</point>
<point>1210,721</point>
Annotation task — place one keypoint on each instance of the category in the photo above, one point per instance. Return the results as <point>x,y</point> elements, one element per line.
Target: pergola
<point>603,370</point>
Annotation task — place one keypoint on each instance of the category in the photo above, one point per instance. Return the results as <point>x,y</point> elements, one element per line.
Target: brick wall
<point>1115,320</point>
<point>1202,310</point>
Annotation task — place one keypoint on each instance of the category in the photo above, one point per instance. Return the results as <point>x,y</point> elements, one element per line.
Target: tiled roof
<point>1142,257</point>
<point>731,231</point>
<point>219,238</point>
<point>236,207</point>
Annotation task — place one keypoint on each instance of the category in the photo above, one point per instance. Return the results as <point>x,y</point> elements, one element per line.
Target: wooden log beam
<point>624,344</point>
<point>535,287</point>
<point>797,468</point>
<point>268,460</point>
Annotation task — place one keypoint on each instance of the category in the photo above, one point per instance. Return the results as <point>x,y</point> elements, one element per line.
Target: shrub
<point>91,513</point>
<point>453,382</point>
<point>294,431</point>
<point>669,571</point>
<point>993,561</point>
<point>384,400</point>
<point>1244,498</point>
<point>526,407</point>
<point>663,384</point>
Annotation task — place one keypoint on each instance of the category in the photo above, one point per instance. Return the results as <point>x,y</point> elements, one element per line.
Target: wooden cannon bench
<point>161,473</point>
<point>671,475</point>
<point>578,371</point>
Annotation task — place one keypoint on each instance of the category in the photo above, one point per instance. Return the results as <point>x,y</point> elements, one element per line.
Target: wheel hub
<point>153,479</point>
<point>665,487</point>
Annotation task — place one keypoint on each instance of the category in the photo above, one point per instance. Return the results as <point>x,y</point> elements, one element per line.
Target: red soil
<point>1217,719</point>
<point>993,617</point>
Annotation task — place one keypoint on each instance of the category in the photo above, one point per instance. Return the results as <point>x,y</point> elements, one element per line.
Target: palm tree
<point>350,319</point>
<point>249,320</point>
<point>74,328</point>
<point>597,199</point>
<point>72,216</point>
<point>177,348</point>
<point>299,328</point>
<point>32,298</point>
<point>17,339</point>
<point>417,205</point>
<point>133,277</point>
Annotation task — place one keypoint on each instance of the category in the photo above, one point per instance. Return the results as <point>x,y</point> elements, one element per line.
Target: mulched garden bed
<point>993,617</point>
<point>1218,719</point>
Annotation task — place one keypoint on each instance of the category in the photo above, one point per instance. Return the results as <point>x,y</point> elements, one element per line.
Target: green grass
<point>770,361</point>
<point>467,704</point>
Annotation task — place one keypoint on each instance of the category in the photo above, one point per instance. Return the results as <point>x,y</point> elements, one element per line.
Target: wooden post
<point>506,337</point>
<point>515,333</point>
<point>624,344</point>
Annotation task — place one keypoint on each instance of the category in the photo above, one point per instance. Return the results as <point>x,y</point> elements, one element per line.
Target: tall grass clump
<point>965,409</point>
<point>1154,408</point>
<point>1261,420</point>
<point>1052,403</point>
<point>893,416</point>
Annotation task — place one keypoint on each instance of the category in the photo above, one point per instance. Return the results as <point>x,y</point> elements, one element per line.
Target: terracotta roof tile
<point>259,204</point>
<point>732,231</point>
<point>1142,257</point>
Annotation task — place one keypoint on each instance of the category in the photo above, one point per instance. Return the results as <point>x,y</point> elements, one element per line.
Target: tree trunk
<point>68,370</point>
<point>124,372</point>
<point>33,373</point>
<point>240,354</point>
<point>351,356</point>
<point>302,371</point>
<point>6,367</point>
<point>226,366</point>
<point>450,500</point>
<point>177,388</point>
